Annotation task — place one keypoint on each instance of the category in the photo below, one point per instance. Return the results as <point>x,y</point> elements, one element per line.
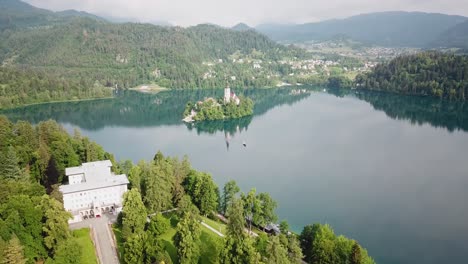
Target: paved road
<point>102,237</point>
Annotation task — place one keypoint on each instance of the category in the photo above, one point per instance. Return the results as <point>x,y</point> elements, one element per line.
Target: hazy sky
<point>252,12</point>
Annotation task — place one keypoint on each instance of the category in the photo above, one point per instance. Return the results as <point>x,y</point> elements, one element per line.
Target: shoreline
<point>55,102</point>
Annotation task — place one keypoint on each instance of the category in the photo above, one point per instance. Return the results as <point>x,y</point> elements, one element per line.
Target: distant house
<point>272,229</point>
<point>93,189</point>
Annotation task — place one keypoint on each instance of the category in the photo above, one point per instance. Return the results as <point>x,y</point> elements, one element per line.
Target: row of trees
<point>428,73</point>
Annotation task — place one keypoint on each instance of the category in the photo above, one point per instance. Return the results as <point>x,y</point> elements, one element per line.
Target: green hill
<point>80,46</point>
<point>126,55</point>
<point>429,73</point>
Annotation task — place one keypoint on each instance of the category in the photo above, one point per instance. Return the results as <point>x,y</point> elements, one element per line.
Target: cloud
<point>252,12</point>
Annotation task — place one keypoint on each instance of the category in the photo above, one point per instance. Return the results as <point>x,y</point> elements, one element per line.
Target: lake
<point>389,171</point>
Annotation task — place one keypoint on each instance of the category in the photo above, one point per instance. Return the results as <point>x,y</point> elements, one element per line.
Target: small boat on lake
<point>244,144</point>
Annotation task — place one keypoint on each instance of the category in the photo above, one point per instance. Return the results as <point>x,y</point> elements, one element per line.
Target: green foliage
<point>259,209</point>
<point>294,249</point>
<point>55,223</point>
<point>84,241</point>
<point>9,167</point>
<point>20,215</point>
<point>428,73</point>
<point>69,252</point>
<point>158,225</point>
<point>230,190</point>
<point>339,82</point>
<point>158,183</point>
<point>187,239</point>
<point>133,248</point>
<point>29,86</point>
<point>284,227</point>
<point>239,247</point>
<point>203,191</point>
<point>133,214</point>
<point>92,54</point>
<point>356,257</point>
<point>13,252</point>
<point>320,245</point>
<point>277,253</point>
<point>210,109</point>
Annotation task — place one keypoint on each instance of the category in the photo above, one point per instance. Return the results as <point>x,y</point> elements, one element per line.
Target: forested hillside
<point>126,55</point>
<point>24,86</point>
<point>429,73</point>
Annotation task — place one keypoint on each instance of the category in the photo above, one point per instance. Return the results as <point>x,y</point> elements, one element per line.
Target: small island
<point>229,107</point>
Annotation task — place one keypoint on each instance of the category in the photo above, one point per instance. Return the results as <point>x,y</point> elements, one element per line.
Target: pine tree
<point>277,252</point>
<point>13,253</point>
<point>238,247</point>
<point>133,248</point>
<point>187,239</point>
<point>133,214</point>
<point>9,167</point>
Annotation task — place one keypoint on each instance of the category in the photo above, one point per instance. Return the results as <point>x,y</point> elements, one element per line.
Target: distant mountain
<point>394,29</point>
<point>155,22</point>
<point>242,27</point>
<point>456,36</point>
<point>74,13</point>
<point>18,14</point>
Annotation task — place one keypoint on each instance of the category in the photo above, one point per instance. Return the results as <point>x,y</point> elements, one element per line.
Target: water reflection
<point>231,128</point>
<point>451,115</point>
<point>133,109</point>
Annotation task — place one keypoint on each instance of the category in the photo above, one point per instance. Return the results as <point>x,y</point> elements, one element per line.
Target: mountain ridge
<point>394,28</point>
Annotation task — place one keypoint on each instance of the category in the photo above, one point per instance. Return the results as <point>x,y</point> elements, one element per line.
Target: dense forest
<point>34,224</point>
<point>23,86</point>
<point>127,55</point>
<point>429,73</point>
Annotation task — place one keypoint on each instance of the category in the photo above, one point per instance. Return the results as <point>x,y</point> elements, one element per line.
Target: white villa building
<point>93,189</point>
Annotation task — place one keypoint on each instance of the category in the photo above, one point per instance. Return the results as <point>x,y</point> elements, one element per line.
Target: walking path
<point>212,229</point>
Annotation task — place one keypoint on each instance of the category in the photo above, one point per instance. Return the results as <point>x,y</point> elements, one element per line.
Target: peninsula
<point>229,107</point>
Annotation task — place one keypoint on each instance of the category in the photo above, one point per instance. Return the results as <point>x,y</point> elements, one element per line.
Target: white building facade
<point>93,189</point>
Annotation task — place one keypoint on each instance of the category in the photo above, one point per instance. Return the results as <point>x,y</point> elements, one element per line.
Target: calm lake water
<point>390,171</point>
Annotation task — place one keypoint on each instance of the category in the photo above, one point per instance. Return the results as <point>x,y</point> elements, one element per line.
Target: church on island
<point>93,189</point>
<point>230,96</point>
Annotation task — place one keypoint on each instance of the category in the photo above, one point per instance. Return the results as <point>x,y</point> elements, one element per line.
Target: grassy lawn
<point>88,256</point>
<point>218,225</point>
